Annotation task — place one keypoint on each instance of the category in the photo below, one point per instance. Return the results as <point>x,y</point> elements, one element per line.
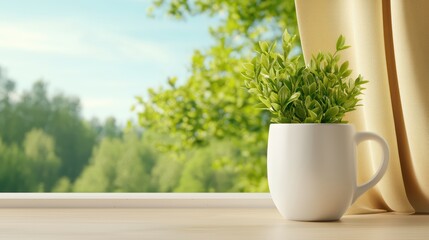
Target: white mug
<point>312,169</point>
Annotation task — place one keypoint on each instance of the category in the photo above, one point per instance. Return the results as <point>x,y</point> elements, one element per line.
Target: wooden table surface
<point>200,223</point>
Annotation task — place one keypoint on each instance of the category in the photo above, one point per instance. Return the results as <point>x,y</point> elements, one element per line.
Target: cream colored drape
<point>390,48</point>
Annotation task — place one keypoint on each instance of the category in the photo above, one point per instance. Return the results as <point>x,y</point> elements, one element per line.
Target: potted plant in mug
<point>311,148</point>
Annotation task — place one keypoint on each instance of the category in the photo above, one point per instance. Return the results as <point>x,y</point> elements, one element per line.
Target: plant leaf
<point>332,112</point>
<point>340,42</point>
<point>263,46</point>
<point>344,66</point>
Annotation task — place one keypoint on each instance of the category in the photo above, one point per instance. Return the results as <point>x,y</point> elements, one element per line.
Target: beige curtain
<point>390,48</point>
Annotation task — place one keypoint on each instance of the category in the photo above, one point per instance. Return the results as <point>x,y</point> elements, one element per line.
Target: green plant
<point>321,92</point>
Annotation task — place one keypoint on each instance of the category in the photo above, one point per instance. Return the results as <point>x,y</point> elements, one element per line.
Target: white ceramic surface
<point>312,169</point>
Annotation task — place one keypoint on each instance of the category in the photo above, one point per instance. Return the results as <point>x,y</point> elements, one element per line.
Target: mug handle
<point>362,136</point>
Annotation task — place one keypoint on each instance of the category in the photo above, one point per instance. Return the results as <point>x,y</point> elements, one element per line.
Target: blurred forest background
<point>200,134</point>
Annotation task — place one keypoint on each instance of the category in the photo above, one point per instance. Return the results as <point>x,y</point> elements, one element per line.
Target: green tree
<point>63,185</point>
<point>168,167</point>
<point>61,118</point>
<point>110,129</point>
<point>39,149</point>
<point>118,165</point>
<point>15,172</point>
<point>58,116</point>
<point>224,166</point>
<point>212,103</point>
<point>166,173</point>
<point>205,169</point>
<point>7,88</point>
<point>46,142</point>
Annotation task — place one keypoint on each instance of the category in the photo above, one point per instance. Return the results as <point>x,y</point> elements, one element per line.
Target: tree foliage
<point>250,19</point>
<point>30,168</point>
<point>118,165</point>
<point>15,170</point>
<point>212,104</point>
<point>58,116</point>
<point>206,125</point>
<point>39,149</point>
<point>44,137</point>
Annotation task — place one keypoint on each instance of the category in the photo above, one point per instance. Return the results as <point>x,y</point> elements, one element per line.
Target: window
<point>70,72</point>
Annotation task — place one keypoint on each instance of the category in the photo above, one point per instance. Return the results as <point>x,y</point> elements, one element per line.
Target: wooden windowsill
<point>199,223</point>
<point>135,200</point>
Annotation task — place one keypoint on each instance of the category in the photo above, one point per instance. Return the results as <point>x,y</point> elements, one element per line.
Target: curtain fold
<point>410,29</point>
<point>404,188</point>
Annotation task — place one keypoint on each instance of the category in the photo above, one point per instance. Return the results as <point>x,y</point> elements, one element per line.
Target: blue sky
<point>103,51</point>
